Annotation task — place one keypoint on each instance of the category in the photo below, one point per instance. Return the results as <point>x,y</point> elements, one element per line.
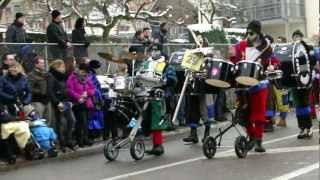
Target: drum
<point>175,61</point>
<point>123,84</point>
<point>198,86</point>
<point>248,73</point>
<point>125,109</point>
<point>220,73</point>
<point>105,81</point>
<point>274,77</point>
<point>295,65</point>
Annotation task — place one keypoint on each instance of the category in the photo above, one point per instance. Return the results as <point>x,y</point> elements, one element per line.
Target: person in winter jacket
<point>96,116</point>
<point>79,37</point>
<point>38,80</point>
<point>57,34</point>
<point>81,91</point>
<point>16,33</point>
<point>13,127</point>
<point>7,59</point>
<point>62,106</point>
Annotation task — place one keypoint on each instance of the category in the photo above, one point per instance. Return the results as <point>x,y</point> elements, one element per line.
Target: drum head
<point>247,81</point>
<point>218,83</point>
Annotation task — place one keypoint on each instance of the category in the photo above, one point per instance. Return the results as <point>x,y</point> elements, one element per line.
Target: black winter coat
<point>57,89</point>
<point>79,37</point>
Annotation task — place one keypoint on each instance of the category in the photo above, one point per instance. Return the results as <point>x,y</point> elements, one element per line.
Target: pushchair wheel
<point>110,151</point>
<point>240,146</point>
<point>137,149</point>
<point>209,147</point>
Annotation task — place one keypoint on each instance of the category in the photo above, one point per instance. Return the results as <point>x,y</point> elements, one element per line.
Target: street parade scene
<point>159,89</point>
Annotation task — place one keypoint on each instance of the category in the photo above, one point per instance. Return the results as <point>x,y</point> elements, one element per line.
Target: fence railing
<point>116,49</point>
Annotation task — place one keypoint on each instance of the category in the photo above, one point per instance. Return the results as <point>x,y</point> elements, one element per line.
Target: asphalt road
<point>286,158</point>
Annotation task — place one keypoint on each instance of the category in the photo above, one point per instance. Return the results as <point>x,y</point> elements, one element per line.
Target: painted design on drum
<point>215,71</point>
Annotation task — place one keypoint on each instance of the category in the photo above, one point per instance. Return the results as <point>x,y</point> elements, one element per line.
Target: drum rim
<point>228,85</point>
<point>249,61</point>
<point>246,77</point>
<point>220,60</point>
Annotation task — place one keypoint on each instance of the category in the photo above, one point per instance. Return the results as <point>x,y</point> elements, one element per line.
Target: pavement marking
<point>298,172</point>
<point>219,154</point>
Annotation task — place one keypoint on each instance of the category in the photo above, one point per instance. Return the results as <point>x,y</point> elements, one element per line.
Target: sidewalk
<point>97,148</point>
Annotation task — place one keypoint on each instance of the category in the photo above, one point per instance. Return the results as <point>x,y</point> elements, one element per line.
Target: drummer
<point>255,48</point>
<point>197,108</point>
<point>301,99</point>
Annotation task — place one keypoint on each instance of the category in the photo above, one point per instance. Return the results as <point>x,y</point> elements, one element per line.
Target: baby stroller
<point>42,137</point>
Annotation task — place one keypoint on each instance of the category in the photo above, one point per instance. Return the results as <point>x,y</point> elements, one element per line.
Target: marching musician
<point>301,99</point>
<point>197,109</point>
<point>255,48</point>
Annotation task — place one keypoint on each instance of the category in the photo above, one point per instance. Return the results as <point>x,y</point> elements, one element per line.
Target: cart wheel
<point>240,146</point>
<point>209,147</point>
<point>110,152</point>
<point>137,149</point>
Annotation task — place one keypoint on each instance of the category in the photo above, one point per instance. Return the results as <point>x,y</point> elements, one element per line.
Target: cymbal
<point>108,57</point>
<point>124,58</point>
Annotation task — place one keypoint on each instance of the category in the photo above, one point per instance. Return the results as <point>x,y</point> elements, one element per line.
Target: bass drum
<point>295,65</point>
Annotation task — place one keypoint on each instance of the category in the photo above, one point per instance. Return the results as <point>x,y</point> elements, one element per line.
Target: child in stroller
<point>43,137</point>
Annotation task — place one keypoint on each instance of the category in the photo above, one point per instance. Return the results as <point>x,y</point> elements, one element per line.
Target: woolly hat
<point>255,26</point>
<point>19,15</point>
<point>28,109</point>
<point>55,13</point>
<point>95,64</point>
<point>297,33</point>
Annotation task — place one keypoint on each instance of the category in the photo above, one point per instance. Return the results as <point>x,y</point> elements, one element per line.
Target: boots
<point>193,138</point>
<point>156,150</point>
<point>206,133</point>
<point>259,147</point>
<point>251,143</point>
<point>281,122</point>
<point>302,134</point>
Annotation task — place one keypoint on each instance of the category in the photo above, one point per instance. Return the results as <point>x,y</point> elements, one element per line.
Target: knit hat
<point>95,64</point>
<point>28,109</point>
<point>19,15</point>
<point>255,26</point>
<point>55,13</point>
<point>83,66</point>
<point>297,33</point>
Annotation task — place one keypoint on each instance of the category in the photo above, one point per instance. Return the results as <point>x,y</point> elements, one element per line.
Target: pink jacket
<point>75,89</point>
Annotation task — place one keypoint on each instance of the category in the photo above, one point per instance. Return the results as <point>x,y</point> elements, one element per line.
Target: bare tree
<point>211,11</point>
<point>110,11</point>
<point>3,4</point>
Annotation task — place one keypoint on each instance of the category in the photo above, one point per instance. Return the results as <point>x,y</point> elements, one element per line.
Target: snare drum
<point>248,73</point>
<point>122,84</point>
<point>220,73</point>
<point>275,78</point>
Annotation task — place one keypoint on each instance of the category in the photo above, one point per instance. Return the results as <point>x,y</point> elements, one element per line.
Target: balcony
<point>263,12</point>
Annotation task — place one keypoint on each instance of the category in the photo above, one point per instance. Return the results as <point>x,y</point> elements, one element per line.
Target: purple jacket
<point>75,89</point>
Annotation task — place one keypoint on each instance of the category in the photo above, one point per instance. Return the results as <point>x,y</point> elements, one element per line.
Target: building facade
<point>279,17</point>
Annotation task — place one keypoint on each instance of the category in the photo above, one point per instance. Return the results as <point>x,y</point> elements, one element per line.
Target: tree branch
<point>4,4</point>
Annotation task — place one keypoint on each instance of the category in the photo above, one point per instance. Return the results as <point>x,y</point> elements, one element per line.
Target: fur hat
<point>255,26</point>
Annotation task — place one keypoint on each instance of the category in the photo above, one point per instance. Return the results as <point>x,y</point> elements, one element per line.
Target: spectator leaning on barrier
<point>81,91</point>
<point>57,92</point>
<point>38,79</point>
<point>16,33</point>
<point>79,37</point>
<point>19,81</point>
<point>13,128</point>
<point>7,59</point>
<point>57,34</point>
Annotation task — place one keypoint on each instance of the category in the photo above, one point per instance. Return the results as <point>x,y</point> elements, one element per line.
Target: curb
<point>95,149</point>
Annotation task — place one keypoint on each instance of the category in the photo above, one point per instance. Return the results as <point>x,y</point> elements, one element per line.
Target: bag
<point>192,60</point>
